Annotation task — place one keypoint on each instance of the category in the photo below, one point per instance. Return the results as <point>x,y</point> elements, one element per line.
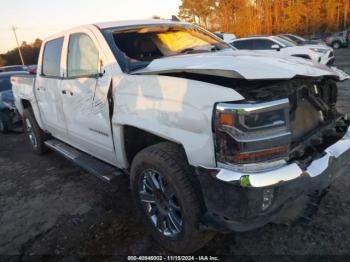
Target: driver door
<point>84,95</point>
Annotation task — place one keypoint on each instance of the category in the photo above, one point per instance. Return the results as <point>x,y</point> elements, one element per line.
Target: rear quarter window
<point>51,64</point>
<point>263,44</point>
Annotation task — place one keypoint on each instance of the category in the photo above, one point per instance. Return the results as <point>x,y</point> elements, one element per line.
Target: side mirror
<point>276,47</point>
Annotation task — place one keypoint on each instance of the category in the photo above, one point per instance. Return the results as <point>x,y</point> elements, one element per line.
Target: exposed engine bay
<point>314,120</point>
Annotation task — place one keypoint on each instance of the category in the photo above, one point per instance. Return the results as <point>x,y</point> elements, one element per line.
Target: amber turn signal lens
<point>226,119</point>
<point>243,157</point>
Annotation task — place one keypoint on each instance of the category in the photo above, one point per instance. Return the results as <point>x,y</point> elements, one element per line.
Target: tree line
<point>30,54</point>
<point>251,17</point>
<point>241,17</point>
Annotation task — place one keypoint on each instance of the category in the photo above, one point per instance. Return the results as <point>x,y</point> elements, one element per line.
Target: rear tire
<point>36,136</point>
<point>163,190</point>
<point>3,127</point>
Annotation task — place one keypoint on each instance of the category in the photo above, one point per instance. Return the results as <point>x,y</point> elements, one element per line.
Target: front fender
<point>176,109</point>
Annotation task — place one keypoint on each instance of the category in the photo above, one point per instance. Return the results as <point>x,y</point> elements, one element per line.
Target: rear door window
<point>243,44</point>
<point>263,44</point>
<point>52,58</point>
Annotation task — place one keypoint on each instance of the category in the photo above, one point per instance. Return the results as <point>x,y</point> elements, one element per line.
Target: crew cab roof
<point>123,23</point>
<point>135,23</point>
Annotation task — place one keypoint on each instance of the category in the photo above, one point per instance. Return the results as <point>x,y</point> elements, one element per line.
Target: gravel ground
<point>50,207</point>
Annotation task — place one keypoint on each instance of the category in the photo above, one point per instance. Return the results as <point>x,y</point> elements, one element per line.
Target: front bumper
<point>234,200</point>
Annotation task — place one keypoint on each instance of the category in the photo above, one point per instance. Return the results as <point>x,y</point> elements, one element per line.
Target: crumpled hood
<point>239,64</point>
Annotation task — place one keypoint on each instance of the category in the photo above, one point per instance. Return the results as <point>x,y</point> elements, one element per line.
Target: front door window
<point>82,56</point>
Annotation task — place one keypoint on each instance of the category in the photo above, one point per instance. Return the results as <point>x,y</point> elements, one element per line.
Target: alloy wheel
<point>31,133</point>
<point>160,203</point>
<point>336,45</point>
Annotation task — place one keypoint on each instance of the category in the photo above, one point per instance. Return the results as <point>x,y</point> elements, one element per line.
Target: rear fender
<point>24,93</point>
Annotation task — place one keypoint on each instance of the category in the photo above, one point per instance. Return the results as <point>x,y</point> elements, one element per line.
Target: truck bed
<point>22,87</point>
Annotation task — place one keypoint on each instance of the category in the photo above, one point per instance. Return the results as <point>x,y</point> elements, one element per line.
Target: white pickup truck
<point>213,139</point>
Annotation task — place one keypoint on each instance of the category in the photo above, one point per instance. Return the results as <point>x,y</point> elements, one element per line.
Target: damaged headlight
<point>247,134</point>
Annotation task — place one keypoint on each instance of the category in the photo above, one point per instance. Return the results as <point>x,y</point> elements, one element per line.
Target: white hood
<point>239,64</point>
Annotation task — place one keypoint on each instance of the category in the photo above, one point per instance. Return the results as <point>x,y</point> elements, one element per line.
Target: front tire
<point>36,136</point>
<point>166,198</point>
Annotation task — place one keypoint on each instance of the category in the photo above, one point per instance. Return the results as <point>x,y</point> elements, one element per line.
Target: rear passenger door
<point>243,44</point>
<point>264,44</point>
<point>48,86</point>
<point>85,97</point>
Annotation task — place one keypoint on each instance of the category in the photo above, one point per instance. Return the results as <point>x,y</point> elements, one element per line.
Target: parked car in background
<point>338,40</point>
<point>227,37</point>
<point>9,117</point>
<point>32,69</point>
<point>300,40</point>
<point>320,36</point>
<point>279,46</point>
<point>13,68</point>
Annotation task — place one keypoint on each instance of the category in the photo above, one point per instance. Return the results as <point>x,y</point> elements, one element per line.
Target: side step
<point>90,164</point>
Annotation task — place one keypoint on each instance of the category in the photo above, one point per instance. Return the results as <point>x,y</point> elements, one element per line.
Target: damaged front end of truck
<point>277,151</point>
<point>283,142</point>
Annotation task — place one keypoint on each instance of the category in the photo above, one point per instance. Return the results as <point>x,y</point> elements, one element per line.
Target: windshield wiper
<point>186,51</point>
<point>192,51</point>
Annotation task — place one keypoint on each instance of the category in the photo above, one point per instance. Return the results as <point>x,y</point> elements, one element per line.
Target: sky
<point>42,18</point>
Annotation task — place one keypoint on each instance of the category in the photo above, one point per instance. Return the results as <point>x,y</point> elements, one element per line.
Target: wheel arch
<point>136,139</point>
<point>27,104</point>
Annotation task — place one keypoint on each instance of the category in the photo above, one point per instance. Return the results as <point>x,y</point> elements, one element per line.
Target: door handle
<point>65,92</point>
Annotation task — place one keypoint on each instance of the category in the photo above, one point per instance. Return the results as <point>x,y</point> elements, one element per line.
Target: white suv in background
<point>278,45</point>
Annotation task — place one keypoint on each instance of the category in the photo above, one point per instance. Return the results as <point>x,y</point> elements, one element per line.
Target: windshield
<point>296,39</point>
<point>288,39</point>
<point>299,37</point>
<point>283,41</point>
<point>141,45</point>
